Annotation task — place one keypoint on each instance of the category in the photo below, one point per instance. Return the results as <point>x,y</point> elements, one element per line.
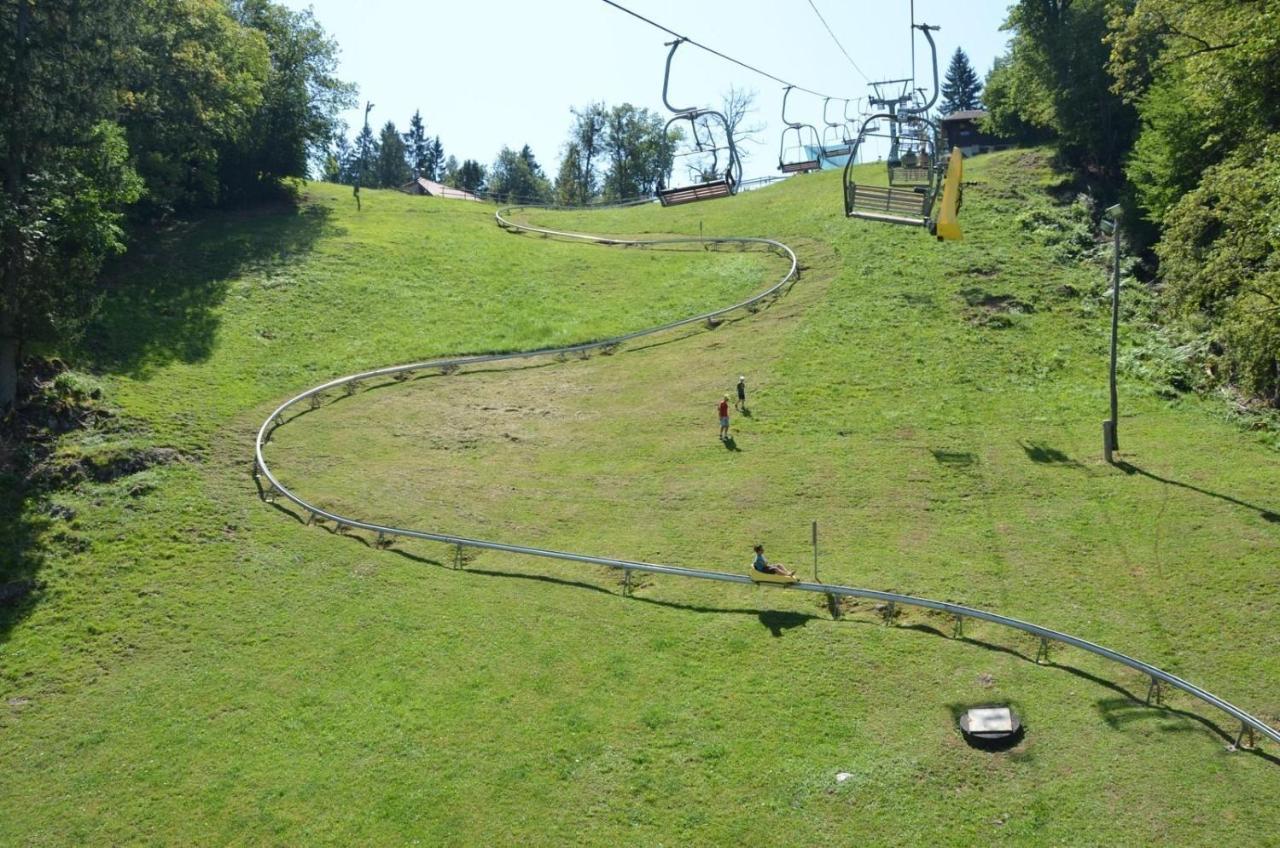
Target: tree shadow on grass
<point>21,555</point>
<point>1266,514</point>
<point>160,299</point>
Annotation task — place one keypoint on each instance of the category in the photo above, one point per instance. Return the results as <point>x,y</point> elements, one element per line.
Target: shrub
<point>1220,260</point>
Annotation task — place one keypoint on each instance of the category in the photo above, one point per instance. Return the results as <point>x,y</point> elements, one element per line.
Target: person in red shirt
<point>724,417</point>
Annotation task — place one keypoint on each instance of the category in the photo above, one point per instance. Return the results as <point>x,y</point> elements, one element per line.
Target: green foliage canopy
<point>1205,76</point>
<point>1055,79</point>
<point>517,177</point>
<point>176,103</point>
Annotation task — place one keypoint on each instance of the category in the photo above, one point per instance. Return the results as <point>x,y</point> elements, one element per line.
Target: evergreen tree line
<point>612,153</point>
<point>119,111</point>
<point>1174,107</point>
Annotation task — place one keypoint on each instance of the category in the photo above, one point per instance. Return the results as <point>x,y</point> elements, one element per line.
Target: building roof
<point>436,189</point>
<point>966,115</point>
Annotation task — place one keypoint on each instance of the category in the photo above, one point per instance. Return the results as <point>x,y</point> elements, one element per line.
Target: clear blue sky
<point>488,73</point>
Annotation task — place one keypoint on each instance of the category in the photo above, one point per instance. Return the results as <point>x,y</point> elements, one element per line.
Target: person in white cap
<point>742,394</point>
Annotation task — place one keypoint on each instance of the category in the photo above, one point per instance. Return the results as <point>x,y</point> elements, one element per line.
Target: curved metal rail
<point>1248,723</point>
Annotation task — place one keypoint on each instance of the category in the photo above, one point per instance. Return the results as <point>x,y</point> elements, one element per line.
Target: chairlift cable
<point>837,41</point>
<point>913,43</point>
<point>715,52</point>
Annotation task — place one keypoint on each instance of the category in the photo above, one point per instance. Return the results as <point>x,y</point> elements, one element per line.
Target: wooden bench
<point>690,194</point>
<point>893,205</point>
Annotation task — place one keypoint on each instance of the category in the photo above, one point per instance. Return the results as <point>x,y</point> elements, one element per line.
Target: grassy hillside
<point>202,668</point>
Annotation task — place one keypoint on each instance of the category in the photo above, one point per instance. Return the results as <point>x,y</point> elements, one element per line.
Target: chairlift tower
<point>891,105</point>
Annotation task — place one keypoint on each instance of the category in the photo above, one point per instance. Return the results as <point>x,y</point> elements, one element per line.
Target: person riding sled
<point>765,567</point>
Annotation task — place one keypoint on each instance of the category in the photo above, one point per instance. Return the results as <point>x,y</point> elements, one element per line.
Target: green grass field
<point>202,668</point>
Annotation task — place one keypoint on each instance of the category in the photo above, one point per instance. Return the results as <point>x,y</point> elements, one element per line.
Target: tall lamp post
<point>1110,427</point>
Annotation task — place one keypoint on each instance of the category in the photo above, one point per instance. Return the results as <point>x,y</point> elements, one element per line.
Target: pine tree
<point>417,146</point>
<point>392,169</point>
<point>470,176</point>
<point>434,164</point>
<point>364,168</point>
<point>961,87</point>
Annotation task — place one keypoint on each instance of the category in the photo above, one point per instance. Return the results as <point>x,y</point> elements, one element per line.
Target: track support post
<point>890,610</point>
<point>1042,653</point>
<point>458,561</point>
<point>1246,732</point>
<point>957,631</point>
<point>1154,694</point>
<point>626,582</point>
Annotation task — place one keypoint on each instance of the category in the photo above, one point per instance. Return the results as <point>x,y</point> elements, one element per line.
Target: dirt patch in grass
<point>982,299</point>
<point>991,310</point>
<point>100,467</point>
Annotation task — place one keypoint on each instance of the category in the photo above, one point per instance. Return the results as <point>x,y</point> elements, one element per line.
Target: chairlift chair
<point>804,162</point>
<point>917,165</point>
<point>908,109</point>
<point>836,140</point>
<point>893,204</point>
<point>851,123</point>
<point>725,183</point>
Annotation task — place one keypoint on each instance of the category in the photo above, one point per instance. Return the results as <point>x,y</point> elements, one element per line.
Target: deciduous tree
<point>66,171</point>
<point>517,177</point>
<point>301,100</point>
<point>193,77</point>
<point>638,150</point>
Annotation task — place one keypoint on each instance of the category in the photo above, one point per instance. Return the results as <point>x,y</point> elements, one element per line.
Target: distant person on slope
<point>742,395</point>
<point>723,409</point>
<point>762,565</point>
